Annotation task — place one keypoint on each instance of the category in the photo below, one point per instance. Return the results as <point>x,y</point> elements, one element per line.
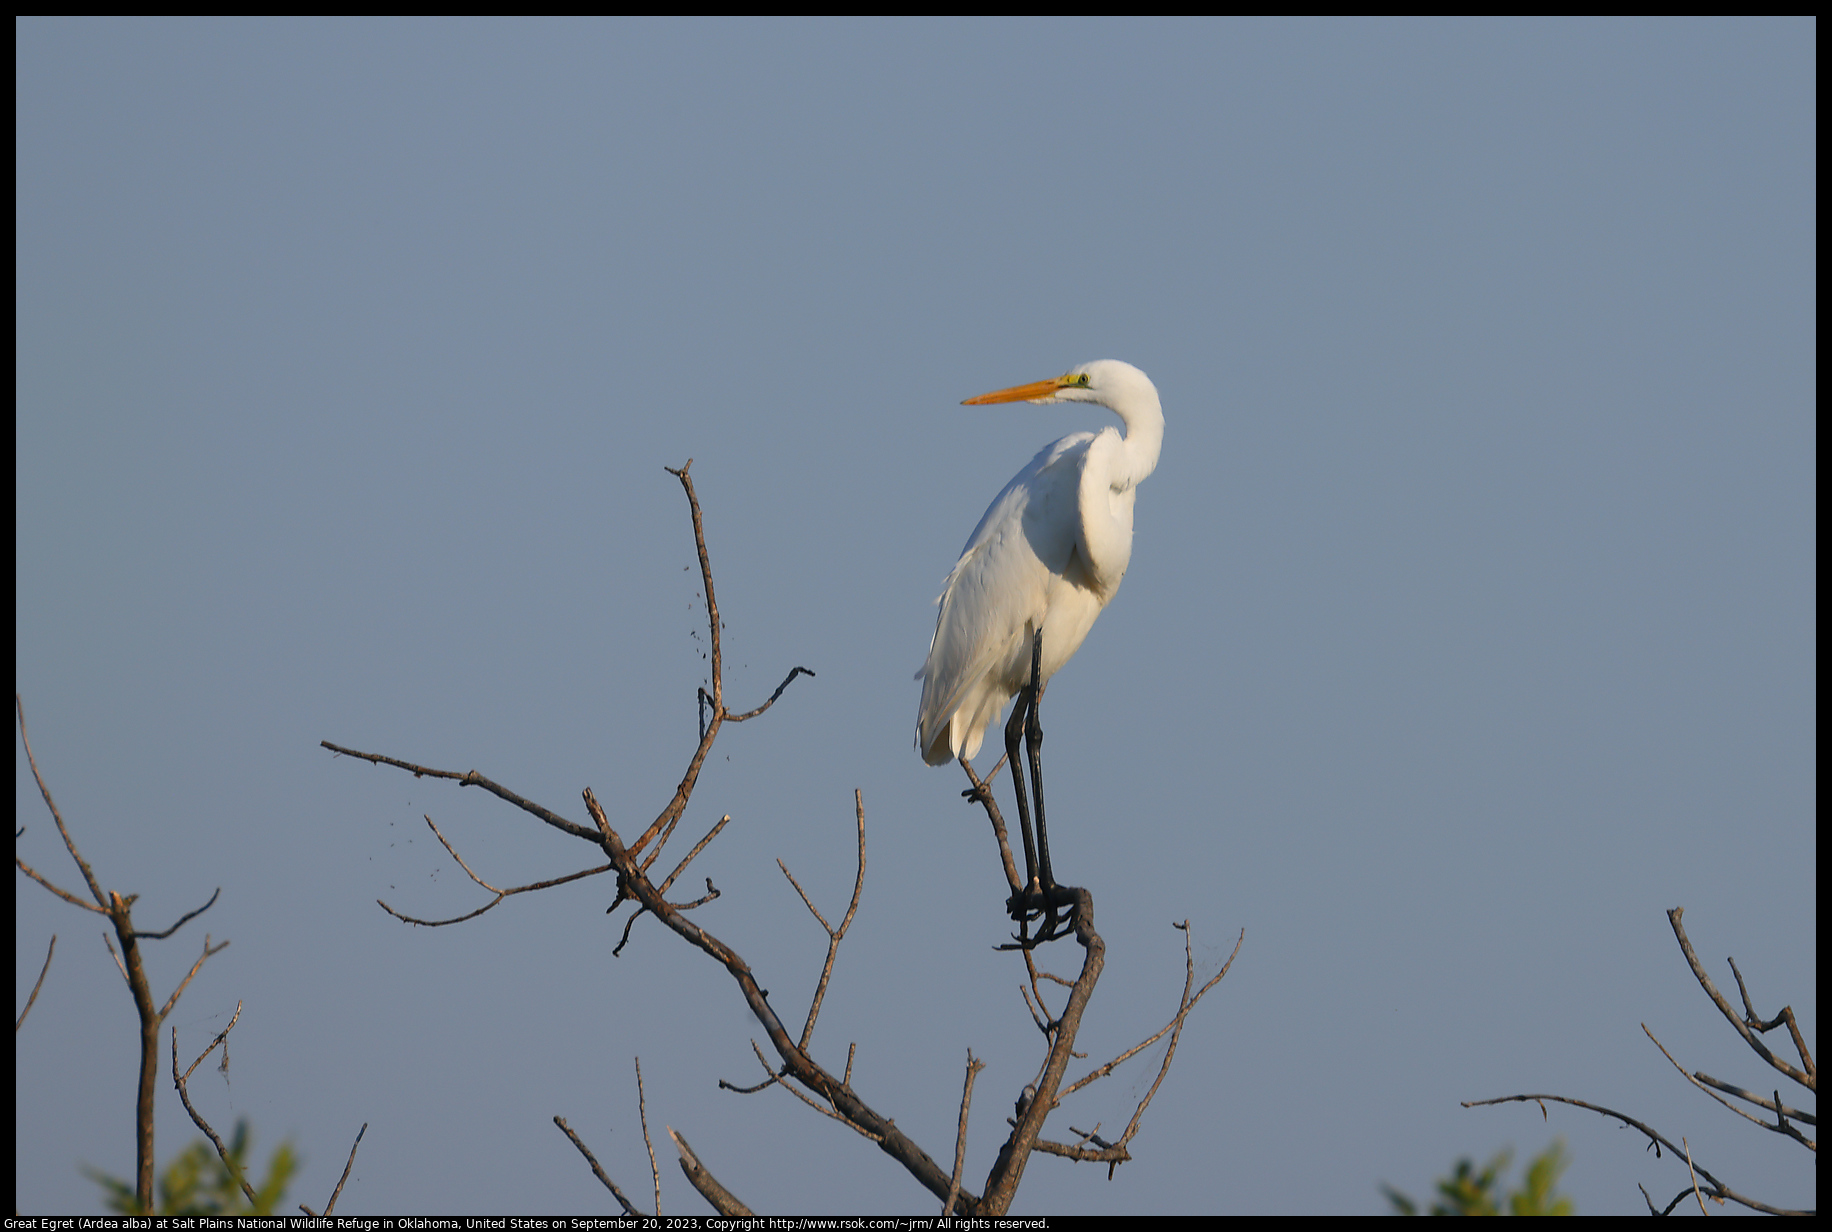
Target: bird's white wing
<point>997,592</point>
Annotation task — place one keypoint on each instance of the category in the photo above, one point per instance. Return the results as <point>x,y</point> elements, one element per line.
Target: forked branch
<point>1747,1025</point>
<point>500,893</point>
<point>119,910</point>
<point>1750,1022</point>
<point>794,1068</point>
<point>834,935</point>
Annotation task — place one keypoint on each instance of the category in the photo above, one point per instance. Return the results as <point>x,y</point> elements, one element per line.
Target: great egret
<point>1049,553</point>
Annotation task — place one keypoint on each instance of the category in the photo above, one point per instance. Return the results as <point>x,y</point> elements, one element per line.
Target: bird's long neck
<point>1144,420</point>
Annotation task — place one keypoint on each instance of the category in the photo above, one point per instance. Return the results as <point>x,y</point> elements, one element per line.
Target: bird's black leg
<point>1014,734</point>
<point>1040,897</point>
<point>1033,740</point>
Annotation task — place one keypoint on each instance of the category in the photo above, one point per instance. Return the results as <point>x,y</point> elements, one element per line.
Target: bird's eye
<point>1079,378</point>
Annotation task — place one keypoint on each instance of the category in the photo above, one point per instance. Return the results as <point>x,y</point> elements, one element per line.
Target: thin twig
<point>642,1113</point>
<point>1774,1104</point>
<point>629,1208</point>
<point>981,793</point>
<point>50,950</point>
<point>1038,1012</point>
<point>348,1164</point>
<point>751,714</point>
<point>221,1040</point>
<point>61,893</point>
<point>672,811</point>
<point>197,966</point>
<point>1690,1173</point>
<point>95,887</point>
<point>960,1134</point>
<point>469,778</point>
<point>1718,1188</point>
<point>690,856</point>
<point>834,936</point>
<point>806,901</point>
<point>119,965</point>
<point>777,1079</point>
<point>181,1081</point>
<point>1780,1127</point>
<point>1185,1004</point>
<point>184,919</point>
<point>500,893</point>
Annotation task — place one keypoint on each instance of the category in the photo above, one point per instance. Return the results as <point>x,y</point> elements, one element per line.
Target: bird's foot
<point>1042,906</point>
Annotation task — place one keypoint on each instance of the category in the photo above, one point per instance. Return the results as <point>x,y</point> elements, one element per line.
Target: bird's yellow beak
<point>1036,391</point>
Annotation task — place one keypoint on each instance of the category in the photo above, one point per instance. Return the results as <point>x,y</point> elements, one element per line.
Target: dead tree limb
<point>49,950</point>
<point>720,1197</point>
<point>629,1208</point>
<point>119,910</point>
<point>1748,1025</point>
<point>182,1082</point>
<point>795,1068</point>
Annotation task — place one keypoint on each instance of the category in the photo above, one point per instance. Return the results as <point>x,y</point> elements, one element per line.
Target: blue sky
<point>1469,626</point>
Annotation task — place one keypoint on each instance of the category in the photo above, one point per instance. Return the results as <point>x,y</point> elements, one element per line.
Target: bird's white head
<point>1111,383</point>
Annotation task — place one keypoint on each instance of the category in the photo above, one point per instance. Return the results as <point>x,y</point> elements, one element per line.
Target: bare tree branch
<point>63,894</point>
<point>672,812</point>
<point>798,1064</point>
<point>348,1164</point>
<point>642,1113</point>
<point>981,793</point>
<point>834,936</point>
<point>751,714</point>
<point>960,1135</point>
<point>690,856</point>
<point>197,966</point>
<point>500,894</point>
<point>721,1198</point>
<point>119,910</point>
<point>628,1207</point>
<point>468,779</point>
<point>1008,1168</point>
<point>120,966</point>
<point>184,919</point>
<point>1773,1105</point>
<point>1717,1190</point>
<point>1185,1005</point>
<point>798,1072</point>
<point>1689,1172</point>
<point>1780,1127</point>
<point>1808,1078</point>
<point>50,950</point>
<point>95,888</point>
<point>1786,1015</point>
<point>182,1082</point>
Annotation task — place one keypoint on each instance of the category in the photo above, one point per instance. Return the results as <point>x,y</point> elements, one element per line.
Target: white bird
<point>1048,554</point>
<point>1039,567</point>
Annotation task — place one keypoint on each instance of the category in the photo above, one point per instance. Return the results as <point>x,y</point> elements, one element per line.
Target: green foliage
<point>1467,1191</point>
<point>198,1182</point>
